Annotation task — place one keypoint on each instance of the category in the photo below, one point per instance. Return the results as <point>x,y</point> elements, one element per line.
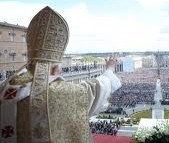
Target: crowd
<point>103,127</point>
<point>147,75</point>
<point>77,68</point>
<point>139,87</point>
<point>114,110</point>
<point>164,76</point>
<point>6,74</point>
<point>165,102</point>
<point>131,94</point>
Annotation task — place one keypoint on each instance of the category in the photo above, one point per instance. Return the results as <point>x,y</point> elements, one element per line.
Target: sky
<point>98,26</point>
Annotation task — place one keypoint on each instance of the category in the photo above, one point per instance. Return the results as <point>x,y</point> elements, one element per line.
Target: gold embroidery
<point>39,131</point>
<point>39,103</point>
<point>21,79</point>
<point>68,114</point>
<point>68,106</point>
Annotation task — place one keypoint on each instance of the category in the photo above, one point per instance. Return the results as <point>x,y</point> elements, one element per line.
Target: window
<point>24,57</point>
<point>5,51</point>
<point>23,37</point>
<point>11,35</point>
<point>12,56</point>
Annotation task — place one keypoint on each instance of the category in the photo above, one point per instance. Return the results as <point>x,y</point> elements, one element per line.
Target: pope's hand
<point>111,63</point>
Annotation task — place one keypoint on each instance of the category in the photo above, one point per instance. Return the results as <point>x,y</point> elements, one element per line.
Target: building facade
<point>149,61</point>
<point>13,48</point>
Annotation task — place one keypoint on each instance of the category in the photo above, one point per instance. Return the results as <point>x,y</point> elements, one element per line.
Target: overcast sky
<point>101,25</point>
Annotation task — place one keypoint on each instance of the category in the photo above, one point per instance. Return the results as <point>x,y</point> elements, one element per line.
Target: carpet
<point>111,139</point>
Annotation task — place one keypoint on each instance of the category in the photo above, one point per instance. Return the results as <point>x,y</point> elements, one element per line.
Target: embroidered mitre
<point>47,36</point>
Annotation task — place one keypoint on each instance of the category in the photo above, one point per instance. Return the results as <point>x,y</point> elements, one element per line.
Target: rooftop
<point>12,25</point>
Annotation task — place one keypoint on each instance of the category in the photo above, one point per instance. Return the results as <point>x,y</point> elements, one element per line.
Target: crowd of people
<point>77,68</point>
<point>6,74</point>
<point>139,87</point>
<point>165,102</point>
<point>164,76</point>
<point>131,94</point>
<point>103,127</point>
<point>114,110</point>
<point>144,75</point>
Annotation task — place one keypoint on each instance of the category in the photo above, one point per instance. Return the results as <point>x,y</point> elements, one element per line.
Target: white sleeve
<point>99,91</point>
<point>115,81</point>
<point>103,86</point>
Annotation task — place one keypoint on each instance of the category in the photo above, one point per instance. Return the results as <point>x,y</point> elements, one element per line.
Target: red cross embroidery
<point>7,131</point>
<point>10,93</point>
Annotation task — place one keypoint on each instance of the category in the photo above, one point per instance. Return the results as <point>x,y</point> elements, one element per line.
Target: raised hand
<point>111,62</point>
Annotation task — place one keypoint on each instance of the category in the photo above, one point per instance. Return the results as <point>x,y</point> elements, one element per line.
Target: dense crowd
<point>114,110</point>
<point>164,76</point>
<point>131,94</point>
<point>6,74</point>
<point>77,68</point>
<point>139,87</point>
<point>103,127</point>
<point>148,75</point>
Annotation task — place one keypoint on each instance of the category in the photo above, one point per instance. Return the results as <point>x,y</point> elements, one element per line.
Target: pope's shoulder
<point>65,86</point>
<point>21,79</point>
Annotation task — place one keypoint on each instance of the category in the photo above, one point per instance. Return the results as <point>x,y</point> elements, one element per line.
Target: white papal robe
<point>70,107</point>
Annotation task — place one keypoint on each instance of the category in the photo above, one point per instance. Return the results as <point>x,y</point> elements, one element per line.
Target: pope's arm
<point>100,89</point>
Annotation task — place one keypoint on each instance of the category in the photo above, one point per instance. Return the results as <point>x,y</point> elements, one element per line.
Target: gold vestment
<point>68,114</point>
